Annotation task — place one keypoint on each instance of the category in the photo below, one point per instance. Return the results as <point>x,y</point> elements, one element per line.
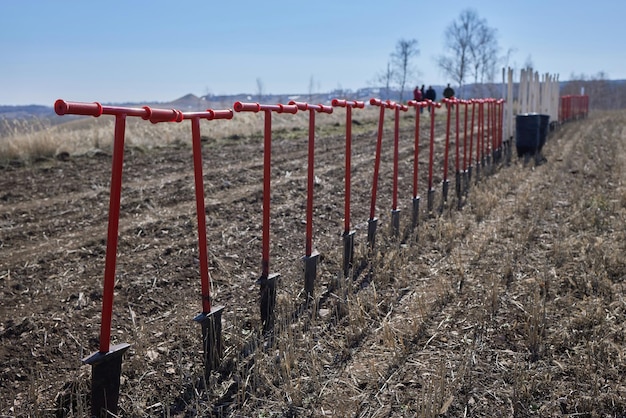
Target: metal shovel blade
<point>106,369</point>
<point>348,252</point>
<point>212,344</point>
<point>371,232</point>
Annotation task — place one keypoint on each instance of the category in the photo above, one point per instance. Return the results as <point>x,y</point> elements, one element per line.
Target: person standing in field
<point>448,92</point>
<point>417,96</point>
<point>430,95</point>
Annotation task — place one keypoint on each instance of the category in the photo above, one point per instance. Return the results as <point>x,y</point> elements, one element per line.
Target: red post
<point>267,160</point>
<point>373,221</point>
<point>479,138</point>
<point>395,212</point>
<point>416,199</point>
<point>205,277</point>
<point>487,142</point>
<point>494,130</point>
<point>348,169</point>
<point>267,172</point>
<point>500,127</point>
<point>112,233</point>
<point>473,102</point>
<point>211,317</point>
<point>431,156</point>
<point>200,211</point>
<point>348,104</point>
<point>107,362</point>
<point>457,163</point>
<point>418,106</point>
<point>266,282</point>
<point>432,144</point>
<point>63,107</point>
<point>448,103</point>
<point>310,258</point>
<point>348,235</point>
<point>445,182</point>
<point>470,155</point>
<point>396,146</point>
<point>466,103</point>
<point>379,142</point>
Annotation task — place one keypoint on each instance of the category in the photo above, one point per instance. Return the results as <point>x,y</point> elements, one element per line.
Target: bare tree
<point>385,78</point>
<point>473,49</point>
<point>402,69</point>
<point>484,53</point>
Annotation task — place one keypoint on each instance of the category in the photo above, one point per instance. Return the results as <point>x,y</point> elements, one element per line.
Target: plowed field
<point>512,306</point>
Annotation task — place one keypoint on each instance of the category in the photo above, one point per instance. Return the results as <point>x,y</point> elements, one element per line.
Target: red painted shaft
<point>205,276</point>
<point>396,151</point>
<point>396,146</point>
<point>447,144</point>
<point>484,121</point>
<point>267,172</point>
<point>431,156</point>
<point>310,185</point>
<point>202,240</point>
<point>479,131</point>
<point>500,123</point>
<point>485,136</point>
<point>379,144</point>
<point>465,102</point>
<point>348,104</point>
<point>473,102</point>
<point>418,108</point>
<point>112,234</point>
<point>492,117</point>
<point>496,123</point>
<point>308,246</point>
<point>485,129</point>
<point>457,164</point>
<point>348,181</point>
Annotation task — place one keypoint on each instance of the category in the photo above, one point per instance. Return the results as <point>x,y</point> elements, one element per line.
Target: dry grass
<point>33,139</point>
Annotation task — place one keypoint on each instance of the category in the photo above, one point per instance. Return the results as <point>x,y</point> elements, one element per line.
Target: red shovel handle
<point>348,103</point>
<point>246,107</point>
<point>163,115</point>
<point>61,107</point>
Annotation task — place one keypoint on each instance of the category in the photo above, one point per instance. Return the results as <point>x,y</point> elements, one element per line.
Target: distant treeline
<point>603,94</point>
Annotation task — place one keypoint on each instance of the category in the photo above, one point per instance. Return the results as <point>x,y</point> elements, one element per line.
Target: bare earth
<point>513,306</point>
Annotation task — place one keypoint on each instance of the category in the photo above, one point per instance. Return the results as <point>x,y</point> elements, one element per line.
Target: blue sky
<point>137,50</point>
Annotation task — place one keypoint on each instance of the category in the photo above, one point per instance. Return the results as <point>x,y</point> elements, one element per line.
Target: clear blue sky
<point>140,50</point>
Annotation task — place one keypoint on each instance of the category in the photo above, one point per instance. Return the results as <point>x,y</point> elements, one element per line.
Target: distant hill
<point>24,112</point>
<point>191,102</point>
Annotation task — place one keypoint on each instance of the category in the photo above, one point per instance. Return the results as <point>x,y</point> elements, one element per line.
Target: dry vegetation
<point>512,307</point>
